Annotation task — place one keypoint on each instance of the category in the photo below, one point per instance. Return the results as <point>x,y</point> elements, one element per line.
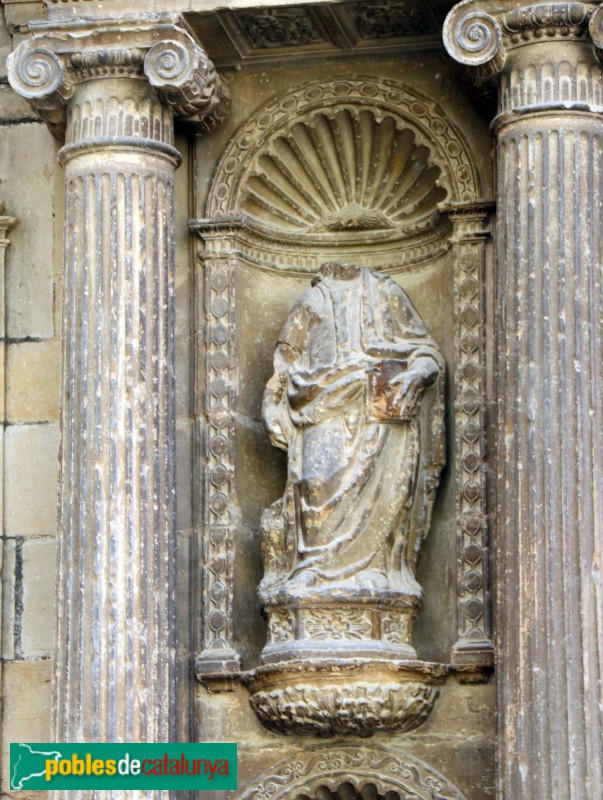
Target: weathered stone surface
<point>30,478</point>
<point>33,381</point>
<point>346,400</point>
<point>9,596</point>
<point>357,388</point>
<point>14,110</point>
<point>184,446</point>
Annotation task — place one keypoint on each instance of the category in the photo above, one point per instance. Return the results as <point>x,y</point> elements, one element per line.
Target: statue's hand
<point>411,384</point>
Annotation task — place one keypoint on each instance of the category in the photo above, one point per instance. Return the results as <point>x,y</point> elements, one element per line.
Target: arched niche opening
<point>365,171</point>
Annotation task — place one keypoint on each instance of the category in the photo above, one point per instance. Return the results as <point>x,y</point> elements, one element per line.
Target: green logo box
<point>46,766</point>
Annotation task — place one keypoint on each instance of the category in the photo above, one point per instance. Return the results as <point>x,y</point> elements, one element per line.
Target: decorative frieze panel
<point>386,20</point>
<point>264,35</point>
<point>337,624</point>
<point>280,28</point>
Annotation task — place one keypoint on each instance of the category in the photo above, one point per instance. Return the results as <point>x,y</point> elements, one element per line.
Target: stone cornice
<point>46,68</point>
<point>481,38</point>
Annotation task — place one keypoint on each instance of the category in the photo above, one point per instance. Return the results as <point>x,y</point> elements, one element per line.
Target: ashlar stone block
<point>30,476</point>
<point>33,381</point>
<point>37,597</point>
<point>26,704</point>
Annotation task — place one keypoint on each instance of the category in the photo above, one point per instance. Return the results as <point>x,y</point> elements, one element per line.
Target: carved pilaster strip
<point>218,664</point>
<point>472,654</point>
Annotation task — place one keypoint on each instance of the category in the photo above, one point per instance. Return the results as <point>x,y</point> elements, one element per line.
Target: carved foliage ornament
<point>359,708</point>
<point>391,773</point>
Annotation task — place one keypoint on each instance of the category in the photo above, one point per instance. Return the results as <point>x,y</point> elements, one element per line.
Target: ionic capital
<point>481,38</point>
<point>47,69</point>
<point>544,55</point>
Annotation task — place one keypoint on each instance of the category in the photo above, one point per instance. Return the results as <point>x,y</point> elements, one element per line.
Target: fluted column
<point>115,91</point>
<point>549,381</point>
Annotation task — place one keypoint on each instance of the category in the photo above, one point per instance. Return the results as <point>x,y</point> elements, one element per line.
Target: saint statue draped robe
<point>364,457</point>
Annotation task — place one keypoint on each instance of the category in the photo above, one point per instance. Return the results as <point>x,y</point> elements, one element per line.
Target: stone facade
<point>174,177</point>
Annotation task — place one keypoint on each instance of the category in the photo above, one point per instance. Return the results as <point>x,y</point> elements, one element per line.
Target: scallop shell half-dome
<point>345,170</point>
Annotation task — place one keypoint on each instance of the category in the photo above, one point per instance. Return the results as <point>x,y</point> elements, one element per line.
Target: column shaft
<point>550,377</point>
<point>114,87</point>
<point>115,680</point>
<point>549,385</point>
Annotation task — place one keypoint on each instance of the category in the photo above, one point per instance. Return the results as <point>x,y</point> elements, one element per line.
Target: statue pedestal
<point>341,662</point>
<point>335,696</point>
<point>360,623</point>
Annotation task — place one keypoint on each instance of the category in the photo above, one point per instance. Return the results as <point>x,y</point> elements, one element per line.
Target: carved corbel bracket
<point>47,68</point>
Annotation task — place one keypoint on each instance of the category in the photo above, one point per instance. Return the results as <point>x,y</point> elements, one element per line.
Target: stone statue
<point>356,401</point>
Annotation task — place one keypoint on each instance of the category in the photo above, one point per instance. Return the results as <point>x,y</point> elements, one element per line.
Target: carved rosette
<point>280,28</point>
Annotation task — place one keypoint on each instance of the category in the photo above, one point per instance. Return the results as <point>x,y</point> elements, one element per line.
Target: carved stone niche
<point>340,184</point>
